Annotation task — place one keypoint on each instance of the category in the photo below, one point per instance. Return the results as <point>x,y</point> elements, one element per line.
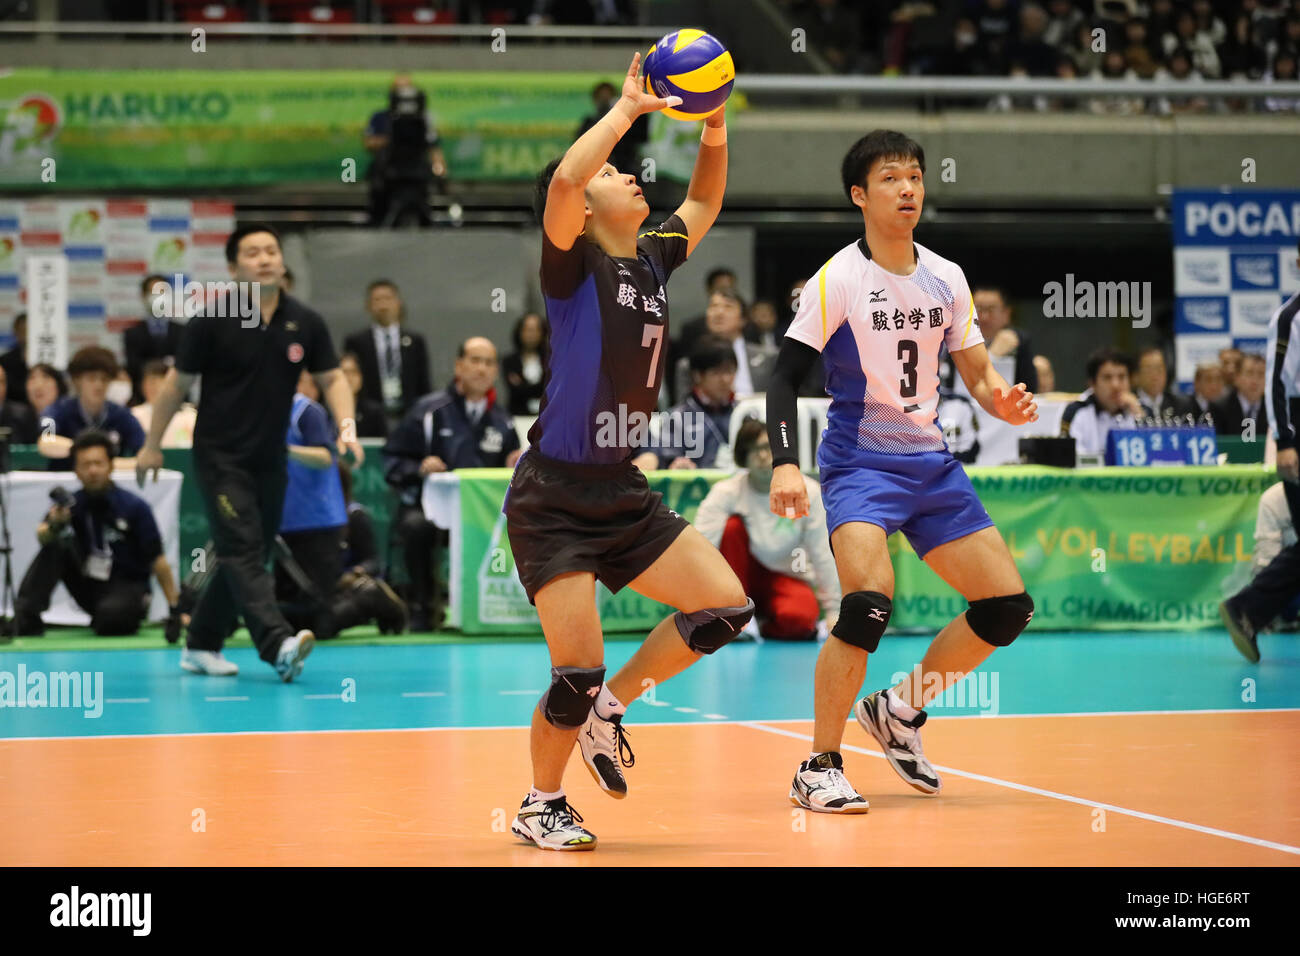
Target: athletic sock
<point>534,795</point>
<point>898,708</point>
<point>607,705</point>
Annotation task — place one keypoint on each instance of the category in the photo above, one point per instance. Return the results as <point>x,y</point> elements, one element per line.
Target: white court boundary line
<point>1038,791</point>
<point>663,723</point>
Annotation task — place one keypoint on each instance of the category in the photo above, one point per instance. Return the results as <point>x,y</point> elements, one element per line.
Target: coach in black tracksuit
<point>250,373</point>
<point>460,427</point>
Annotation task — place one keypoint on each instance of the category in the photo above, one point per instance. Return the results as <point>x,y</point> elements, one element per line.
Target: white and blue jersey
<point>882,458</point>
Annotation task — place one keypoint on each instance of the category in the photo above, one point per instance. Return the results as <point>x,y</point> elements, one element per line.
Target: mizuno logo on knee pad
<point>863,618</point>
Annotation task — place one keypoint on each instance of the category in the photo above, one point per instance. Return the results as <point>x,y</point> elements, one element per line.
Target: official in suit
<point>1244,403</point>
<point>725,316</point>
<point>394,361</point>
<point>156,337</point>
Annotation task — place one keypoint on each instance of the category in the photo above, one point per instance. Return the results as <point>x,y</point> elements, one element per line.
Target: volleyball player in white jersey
<point>878,312</point>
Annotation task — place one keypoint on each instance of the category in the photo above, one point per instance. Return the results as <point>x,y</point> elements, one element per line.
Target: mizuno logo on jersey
<point>878,296</point>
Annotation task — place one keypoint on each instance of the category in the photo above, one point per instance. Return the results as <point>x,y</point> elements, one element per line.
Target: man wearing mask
<point>394,362</point>
<point>157,336</point>
<point>459,427</point>
<point>92,369</point>
<point>103,544</point>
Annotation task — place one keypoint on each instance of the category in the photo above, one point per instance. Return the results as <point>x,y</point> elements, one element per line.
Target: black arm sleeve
<point>792,365</point>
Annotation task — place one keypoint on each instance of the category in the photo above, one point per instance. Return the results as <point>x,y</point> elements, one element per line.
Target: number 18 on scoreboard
<point>1135,447</point>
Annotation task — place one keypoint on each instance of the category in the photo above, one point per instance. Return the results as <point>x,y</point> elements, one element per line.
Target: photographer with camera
<point>406,157</point>
<point>102,542</point>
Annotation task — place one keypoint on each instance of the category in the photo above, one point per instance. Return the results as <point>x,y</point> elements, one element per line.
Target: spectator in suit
<point>1151,384</point>
<point>726,319</point>
<point>995,323</point>
<point>1245,403</point>
<point>458,427</point>
<point>763,327</point>
<point>14,362</point>
<point>180,431</point>
<point>525,367</point>
<point>19,419</point>
<point>369,416</point>
<point>394,361</point>
<point>45,386</point>
<point>698,428</point>
<point>156,336</point>
<point>1207,388</point>
<point>91,369</point>
<point>626,155</point>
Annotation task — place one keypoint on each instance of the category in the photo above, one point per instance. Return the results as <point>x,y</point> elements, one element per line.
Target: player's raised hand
<point>1016,407</point>
<point>789,494</point>
<point>637,98</point>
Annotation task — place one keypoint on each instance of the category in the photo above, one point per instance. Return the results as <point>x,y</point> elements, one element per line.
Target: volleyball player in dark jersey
<point>578,510</point>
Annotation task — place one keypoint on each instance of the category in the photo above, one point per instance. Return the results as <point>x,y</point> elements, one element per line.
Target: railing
<point>911,87</point>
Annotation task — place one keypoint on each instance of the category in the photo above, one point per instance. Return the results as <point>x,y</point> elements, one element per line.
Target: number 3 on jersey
<point>652,336</point>
<point>908,354</point>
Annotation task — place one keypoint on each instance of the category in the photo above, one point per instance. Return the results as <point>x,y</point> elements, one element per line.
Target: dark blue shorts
<point>927,496</point>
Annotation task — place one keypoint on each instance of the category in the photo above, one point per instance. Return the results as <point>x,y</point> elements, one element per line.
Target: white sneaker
<point>207,662</point>
<point>900,740</point>
<point>604,746</point>
<point>294,650</point>
<point>552,826</point>
<point>820,785</point>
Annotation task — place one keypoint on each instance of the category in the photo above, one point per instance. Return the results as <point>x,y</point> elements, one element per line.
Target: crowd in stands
<point>410,12</point>
<point>1184,40</point>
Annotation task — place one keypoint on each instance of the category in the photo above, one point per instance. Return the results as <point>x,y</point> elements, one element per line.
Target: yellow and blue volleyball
<point>693,65</point>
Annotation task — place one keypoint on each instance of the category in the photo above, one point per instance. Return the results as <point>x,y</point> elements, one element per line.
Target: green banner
<point>1100,549</point>
<point>209,128</point>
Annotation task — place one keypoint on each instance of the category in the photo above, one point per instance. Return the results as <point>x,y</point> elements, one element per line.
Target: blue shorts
<point>927,496</point>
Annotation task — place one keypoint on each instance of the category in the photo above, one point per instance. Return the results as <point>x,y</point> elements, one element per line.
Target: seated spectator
<point>1003,340</point>
<point>1108,403</point>
<point>763,328</point>
<point>14,362</point>
<point>786,565</point>
<point>369,415</point>
<point>1046,374</point>
<point>155,336</point>
<point>1198,44</point>
<point>1208,23</point>
<point>725,317</point>
<point>1282,71</point>
<point>626,154</point>
<point>1178,67</point>
<point>1151,385</point>
<point>1115,67</point>
<point>1138,51</point>
<point>1240,56</point>
<point>717,280</point>
<point>361,594</point>
<point>962,56</point>
<point>459,427</point>
<point>102,545</point>
<point>995,21</point>
<point>45,386</point>
<point>180,431</point>
<point>18,418</point>
<point>695,431</point>
<point>1245,404</point>
<point>1029,49</point>
<point>91,370</point>
<point>1063,22</point>
<point>1160,17</point>
<point>1207,388</point>
<point>833,30</point>
<point>525,367</point>
<point>1085,51</point>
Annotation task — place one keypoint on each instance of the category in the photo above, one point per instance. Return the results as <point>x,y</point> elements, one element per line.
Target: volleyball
<point>691,64</point>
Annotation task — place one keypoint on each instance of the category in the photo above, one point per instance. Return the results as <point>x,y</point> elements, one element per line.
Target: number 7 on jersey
<point>653,335</point>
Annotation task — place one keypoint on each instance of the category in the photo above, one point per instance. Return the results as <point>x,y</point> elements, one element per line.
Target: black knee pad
<point>569,699</point>
<point>999,620</point>
<point>863,618</point>
<point>706,630</point>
